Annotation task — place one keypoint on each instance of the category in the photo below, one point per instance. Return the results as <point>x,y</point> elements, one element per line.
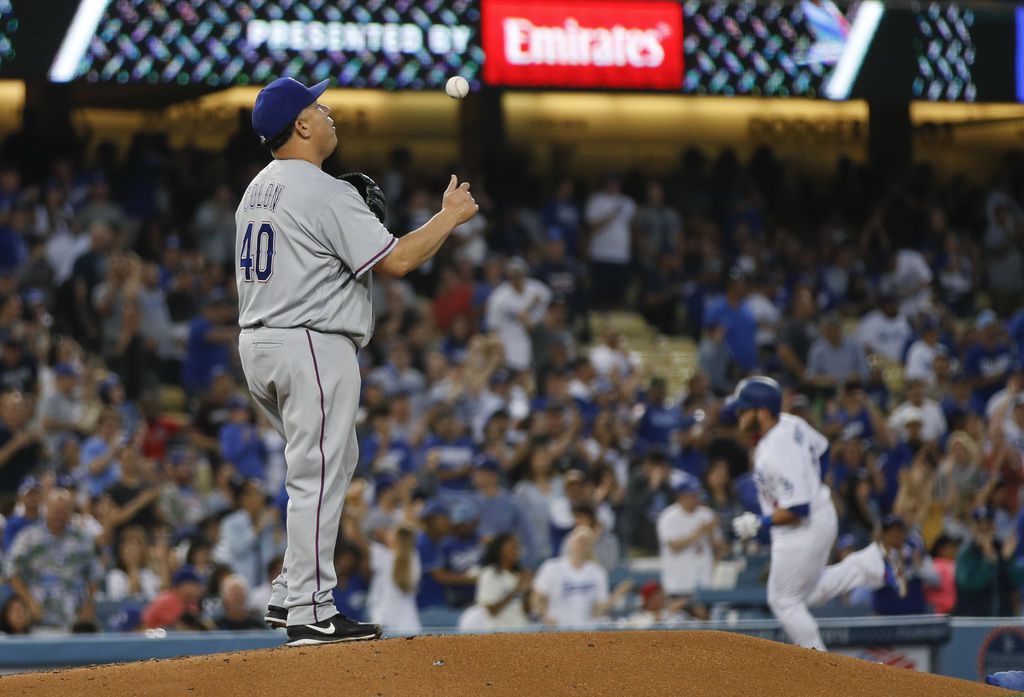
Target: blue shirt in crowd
<point>460,555</point>
<point>740,329</point>
<point>201,356</point>
<point>430,593</point>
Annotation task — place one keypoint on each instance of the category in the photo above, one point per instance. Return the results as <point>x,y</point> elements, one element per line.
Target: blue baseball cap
<point>486,464</point>
<point>28,484</point>
<point>185,574</point>
<point>985,319</point>
<point>280,103</point>
<point>65,370</point>
<point>464,512</point>
<point>433,507</point>
<point>688,485</point>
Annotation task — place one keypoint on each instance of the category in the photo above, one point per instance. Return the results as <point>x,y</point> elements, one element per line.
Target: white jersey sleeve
<point>348,228</point>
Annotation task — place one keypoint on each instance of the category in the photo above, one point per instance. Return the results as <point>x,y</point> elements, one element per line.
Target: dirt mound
<point>616,664</point>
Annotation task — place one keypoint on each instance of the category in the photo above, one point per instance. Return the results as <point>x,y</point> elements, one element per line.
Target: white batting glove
<point>746,526</point>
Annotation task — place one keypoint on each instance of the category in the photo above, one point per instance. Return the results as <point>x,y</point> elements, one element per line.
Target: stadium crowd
<point>510,443</point>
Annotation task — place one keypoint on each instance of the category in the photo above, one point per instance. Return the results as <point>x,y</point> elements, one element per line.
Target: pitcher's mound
<point>616,664</point>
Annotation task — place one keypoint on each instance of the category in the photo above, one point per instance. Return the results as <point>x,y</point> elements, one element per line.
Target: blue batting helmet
<point>759,393</point>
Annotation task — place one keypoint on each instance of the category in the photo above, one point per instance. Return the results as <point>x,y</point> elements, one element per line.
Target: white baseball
<point>457,87</point>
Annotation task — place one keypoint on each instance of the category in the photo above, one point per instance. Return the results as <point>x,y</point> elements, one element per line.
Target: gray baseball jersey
<point>305,242</point>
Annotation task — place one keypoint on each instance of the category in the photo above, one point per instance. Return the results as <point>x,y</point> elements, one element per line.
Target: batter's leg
<point>789,580</point>
<point>862,569</point>
<point>798,561</point>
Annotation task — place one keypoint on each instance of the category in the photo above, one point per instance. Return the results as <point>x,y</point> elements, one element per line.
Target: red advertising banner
<point>583,43</point>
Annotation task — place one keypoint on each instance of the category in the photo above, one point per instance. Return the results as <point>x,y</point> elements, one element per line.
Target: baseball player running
<point>306,243</point>
<point>797,508</point>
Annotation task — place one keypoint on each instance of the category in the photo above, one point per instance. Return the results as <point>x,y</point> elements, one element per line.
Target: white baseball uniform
<point>787,472</point>
<point>305,243</point>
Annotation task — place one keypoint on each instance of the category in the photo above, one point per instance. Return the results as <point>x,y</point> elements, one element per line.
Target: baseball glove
<point>370,192</point>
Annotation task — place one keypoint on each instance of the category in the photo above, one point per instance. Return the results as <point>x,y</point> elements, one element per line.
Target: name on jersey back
<point>263,195</point>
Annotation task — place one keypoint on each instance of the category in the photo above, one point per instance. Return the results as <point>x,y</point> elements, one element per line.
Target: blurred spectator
<point>609,215</point>
<point>608,358</point>
<point>885,331</point>
<point>503,585</point>
<point>908,277</point>
<point>436,524</point>
<point>572,590</point>
<point>918,408</point>
<point>384,452</point>
<point>567,279</point>
<point>352,566</point>
<point>513,309</point>
<point>721,496</point>
<point>656,609</point>
<point>178,606</point>
<point>395,571</point>
<point>18,370</point>
<point>212,413</point>
<point>903,593</point>
<point>101,453</point>
<point>462,553</point>
<point>210,335</point>
<point>941,594</point>
<point>131,577</point>
<point>649,494</point>
<point>796,335</point>
<point>987,361</point>
<point>15,617</point>
<point>986,576</point>
<point>961,476</point>
<point>920,360</point>
<point>62,412</point>
<point>500,514</point>
<point>607,550</point>
<point>835,359</point>
<point>448,454</point>
<point>656,227</point>
<point>27,512</point>
<point>562,217</point>
<point>398,375</point>
<point>661,293</point>
<point>133,495</point>
<point>686,535</point>
<point>536,492</point>
<point>1002,247</point>
<point>20,446</point>
<point>715,360</point>
<point>215,226</point>
<point>251,535</point>
<point>53,568</point>
<point>236,615</point>
<point>553,342</point>
<point>241,443</point>
<point>731,311</point>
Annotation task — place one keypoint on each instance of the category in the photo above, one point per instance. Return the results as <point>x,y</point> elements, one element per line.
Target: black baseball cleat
<point>333,630</point>
<point>276,616</point>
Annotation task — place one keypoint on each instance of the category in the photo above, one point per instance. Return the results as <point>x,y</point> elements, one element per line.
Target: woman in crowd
<point>572,590</point>
<point>396,575</point>
<point>535,494</point>
<point>503,585</point>
<point>132,578</point>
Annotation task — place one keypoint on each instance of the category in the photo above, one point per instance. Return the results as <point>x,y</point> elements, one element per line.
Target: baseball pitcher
<point>306,243</point>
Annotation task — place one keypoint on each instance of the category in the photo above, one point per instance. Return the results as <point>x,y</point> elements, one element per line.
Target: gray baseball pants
<point>307,384</point>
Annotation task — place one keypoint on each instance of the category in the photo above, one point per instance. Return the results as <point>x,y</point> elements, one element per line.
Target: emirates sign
<point>583,43</point>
